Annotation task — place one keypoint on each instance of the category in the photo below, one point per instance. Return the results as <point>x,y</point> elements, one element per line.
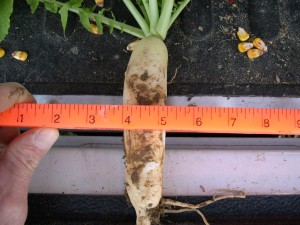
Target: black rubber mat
<point>202,48</point>
<point>113,210</point>
<point>202,44</point>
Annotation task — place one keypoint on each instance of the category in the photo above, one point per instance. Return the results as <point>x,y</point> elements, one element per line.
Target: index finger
<point>12,93</point>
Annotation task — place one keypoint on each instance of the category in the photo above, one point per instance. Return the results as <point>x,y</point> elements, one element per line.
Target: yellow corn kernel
<point>99,3</point>
<point>132,45</point>
<point>244,46</point>
<point>94,29</point>
<point>254,53</point>
<point>19,55</point>
<point>260,44</point>
<point>242,34</point>
<point>2,52</point>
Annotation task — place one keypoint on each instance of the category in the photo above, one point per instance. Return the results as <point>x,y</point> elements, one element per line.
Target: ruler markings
<point>228,118</point>
<point>70,111</point>
<point>87,115</point>
<point>296,120</point>
<point>51,113</point>
<point>193,118</point>
<point>122,115</point>
<point>140,109</point>
<point>158,111</point>
<point>169,118</point>
<point>18,114</point>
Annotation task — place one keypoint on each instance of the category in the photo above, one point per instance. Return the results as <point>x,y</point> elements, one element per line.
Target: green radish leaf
<point>64,16</point>
<point>33,4</point>
<point>99,23</point>
<point>75,3</point>
<point>122,27</point>
<point>84,15</point>
<point>6,8</point>
<point>98,19</point>
<point>51,6</point>
<point>111,24</point>
<point>111,28</point>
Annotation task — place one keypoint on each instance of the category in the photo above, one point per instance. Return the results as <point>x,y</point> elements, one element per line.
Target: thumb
<point>25,152</point>
<point>18,161</point>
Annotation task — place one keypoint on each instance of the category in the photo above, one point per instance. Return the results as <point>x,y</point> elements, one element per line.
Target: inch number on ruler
<point>169,118</point>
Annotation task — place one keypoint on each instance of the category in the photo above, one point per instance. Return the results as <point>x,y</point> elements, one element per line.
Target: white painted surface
<point>218,101</point>
<point>194,166</point>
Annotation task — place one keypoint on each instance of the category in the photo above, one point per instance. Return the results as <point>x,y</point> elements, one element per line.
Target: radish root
<point>145,84</point>
<point>175,74</point>
<point>188,207</point>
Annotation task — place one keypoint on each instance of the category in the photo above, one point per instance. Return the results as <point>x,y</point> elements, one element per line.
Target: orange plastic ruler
<point>168,118</point>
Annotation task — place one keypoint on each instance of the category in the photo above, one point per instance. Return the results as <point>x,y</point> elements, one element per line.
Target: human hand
<point>19,157</point>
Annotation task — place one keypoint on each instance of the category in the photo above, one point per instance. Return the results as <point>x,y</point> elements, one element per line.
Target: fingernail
<point>45,138</point>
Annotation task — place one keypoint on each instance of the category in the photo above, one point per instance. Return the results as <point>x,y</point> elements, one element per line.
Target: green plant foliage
<point>84,16</point>
<point>99,21</point>
<point>75,3</point>
<point>6,8</point>
<point>154,18</point>
<point>33,4</point>
<point>51,6</point>
<point>64,10</point>
<point>111,25</point>
<point>64,16</point>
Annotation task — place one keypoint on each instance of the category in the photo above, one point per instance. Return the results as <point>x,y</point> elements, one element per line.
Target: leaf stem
<point>146,6</point>
<point>162,3</point>
<point>156,18</point>
<point>110,22</point>
<point>153,15</point>
<point>178,11</point>
<point>143,10</point>
<point>165,15</point>
<point>138,17</point>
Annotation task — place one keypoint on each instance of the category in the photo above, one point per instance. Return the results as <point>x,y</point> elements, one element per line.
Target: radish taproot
<point>145,84</point>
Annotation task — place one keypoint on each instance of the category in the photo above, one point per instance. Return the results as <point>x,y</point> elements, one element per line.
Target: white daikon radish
<point>145,84</point>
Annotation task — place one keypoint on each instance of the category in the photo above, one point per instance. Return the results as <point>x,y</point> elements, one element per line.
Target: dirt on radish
<point>145,84</point>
